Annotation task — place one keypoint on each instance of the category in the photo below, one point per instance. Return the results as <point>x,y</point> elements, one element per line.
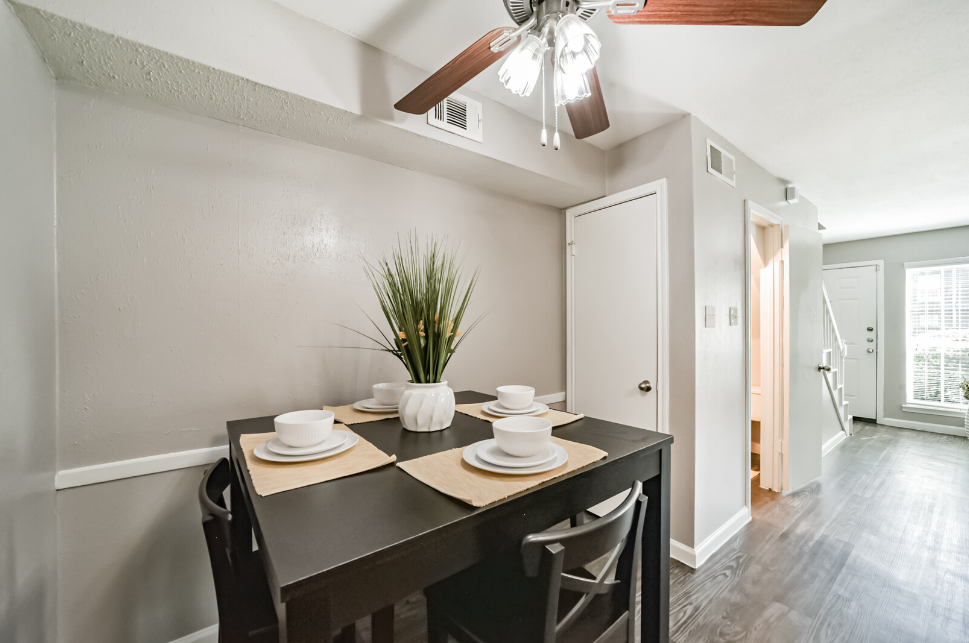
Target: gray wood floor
<point>877,550</point>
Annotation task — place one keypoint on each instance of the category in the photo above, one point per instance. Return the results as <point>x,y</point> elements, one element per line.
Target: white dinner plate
<point>332,441</point>
<point>472,458</point>
<point>262,451</point>
<point>371,406</point>
<point>490,452</point>
<point>493,408</point>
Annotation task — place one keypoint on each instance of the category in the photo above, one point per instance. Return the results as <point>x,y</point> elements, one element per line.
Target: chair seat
<point>492,602</point>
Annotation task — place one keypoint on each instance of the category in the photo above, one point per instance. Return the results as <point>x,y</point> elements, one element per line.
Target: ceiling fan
<point>559,27</point>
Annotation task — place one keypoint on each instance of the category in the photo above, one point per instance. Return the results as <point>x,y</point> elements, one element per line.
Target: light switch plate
<point>734,316</point>
<point>711,316</point>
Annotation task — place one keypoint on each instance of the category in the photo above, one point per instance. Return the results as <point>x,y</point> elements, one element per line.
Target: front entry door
<point>852,292</point>
<point>615,313</point>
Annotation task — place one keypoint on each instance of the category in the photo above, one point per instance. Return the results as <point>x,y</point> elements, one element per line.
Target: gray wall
<point>27,339</point>
<point>199,266</point>
<point>664,153</point>
<point>895,251</point>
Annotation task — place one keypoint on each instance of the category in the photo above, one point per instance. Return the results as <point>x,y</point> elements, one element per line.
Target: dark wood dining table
<point>337,551</point>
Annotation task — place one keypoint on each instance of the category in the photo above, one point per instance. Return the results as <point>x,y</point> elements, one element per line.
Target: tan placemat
<point>273,477</point>
<point>349,415</point>
<point>557,418</point>
<point>450,474</point>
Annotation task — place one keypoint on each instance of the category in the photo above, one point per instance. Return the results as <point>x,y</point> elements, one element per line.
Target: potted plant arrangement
<point>424,295</point>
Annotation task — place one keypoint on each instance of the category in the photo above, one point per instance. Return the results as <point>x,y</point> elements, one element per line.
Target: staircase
<point>832,367</point>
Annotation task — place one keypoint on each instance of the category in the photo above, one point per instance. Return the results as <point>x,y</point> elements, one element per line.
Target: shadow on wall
<point>22,600</point>
<point>147,578</point>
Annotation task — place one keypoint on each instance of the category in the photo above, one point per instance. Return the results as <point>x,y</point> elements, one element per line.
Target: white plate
<point>493,408</point>
<point>471,457</point>
<point>490,452</point>
<point>332,441</point>
<point>371,406</point>
<point>262,451</point>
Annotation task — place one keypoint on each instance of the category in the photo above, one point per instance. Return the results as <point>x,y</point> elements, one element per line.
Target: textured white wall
<point>27,339</point>
<point>895,251</point>
<point>198,261</point>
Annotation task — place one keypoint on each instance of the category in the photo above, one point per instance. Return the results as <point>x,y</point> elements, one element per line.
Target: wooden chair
<point>246,609</point>
<point>528,596</point>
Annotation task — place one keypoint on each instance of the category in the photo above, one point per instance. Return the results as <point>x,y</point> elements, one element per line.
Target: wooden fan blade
<point>768,13</point>
<point>588,116</point>
<point>452,76</point>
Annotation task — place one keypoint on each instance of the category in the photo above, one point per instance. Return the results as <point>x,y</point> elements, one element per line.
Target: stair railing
<point>831,340</point>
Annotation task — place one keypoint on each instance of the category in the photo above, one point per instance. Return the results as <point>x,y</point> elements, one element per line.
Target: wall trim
<point>194,637</point>
<point>830,445</point>
<point>551,398</point>
<point>122,469</point>
<point>696,557</point>
<point>944,429</point>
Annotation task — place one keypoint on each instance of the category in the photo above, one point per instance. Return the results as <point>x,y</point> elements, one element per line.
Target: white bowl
<point>522,437</point>
<point>388,394</point>
<point>516,397</point>
<point>304,428</point>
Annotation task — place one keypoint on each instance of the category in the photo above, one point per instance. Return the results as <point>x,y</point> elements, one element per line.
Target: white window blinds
<point>938,332</point>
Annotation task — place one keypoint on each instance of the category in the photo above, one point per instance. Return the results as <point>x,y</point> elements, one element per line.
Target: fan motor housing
<point>522,10</point>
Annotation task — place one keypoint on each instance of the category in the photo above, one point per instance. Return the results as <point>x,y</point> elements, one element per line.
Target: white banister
<point>837,349</point>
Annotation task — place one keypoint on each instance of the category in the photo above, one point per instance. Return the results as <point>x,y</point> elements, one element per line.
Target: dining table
<point>340,550</point>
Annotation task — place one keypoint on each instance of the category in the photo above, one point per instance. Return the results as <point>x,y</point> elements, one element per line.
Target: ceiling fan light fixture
<point>521,68</point>
<point>570,87</point>
<point>576,45</point>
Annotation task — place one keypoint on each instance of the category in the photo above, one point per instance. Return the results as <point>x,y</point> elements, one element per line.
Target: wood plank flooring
<point>875,551</point>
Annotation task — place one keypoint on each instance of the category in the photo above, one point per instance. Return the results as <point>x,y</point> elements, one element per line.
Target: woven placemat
<point>349,415</point>
<point>274,477</point>
<point>557,418</point>
<point>450,474</point>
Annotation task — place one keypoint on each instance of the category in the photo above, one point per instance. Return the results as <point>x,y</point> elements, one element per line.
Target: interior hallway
<point>877,551</point>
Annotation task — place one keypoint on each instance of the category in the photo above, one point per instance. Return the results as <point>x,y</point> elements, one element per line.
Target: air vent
<point>587,13</point>
<point>458,115</point>
<point>519,10</point>
<point>721,163</point>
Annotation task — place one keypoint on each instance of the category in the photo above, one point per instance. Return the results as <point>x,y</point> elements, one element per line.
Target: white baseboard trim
<point>211,631</point>
<point>551,398</point>
<point>829,446</point>
<point>925,426</point>
<point>696,557</point>
<point>138,467</point>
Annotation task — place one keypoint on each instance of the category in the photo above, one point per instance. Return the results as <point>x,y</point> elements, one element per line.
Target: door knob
<point>645,386</point>
<point>871,350</point>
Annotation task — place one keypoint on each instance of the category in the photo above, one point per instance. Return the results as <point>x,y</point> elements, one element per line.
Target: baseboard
<point>696,557</point>
<point>925,426</point>
<point>208,635</point>
<point>551,398</point>
<point>829,446</point>
<point>138,467</point>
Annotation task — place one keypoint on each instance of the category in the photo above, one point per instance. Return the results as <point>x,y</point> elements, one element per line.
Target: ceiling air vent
<point>721,163</point>
<point>458,115</point>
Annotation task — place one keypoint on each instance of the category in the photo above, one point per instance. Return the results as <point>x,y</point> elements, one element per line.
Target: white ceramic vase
<point>426,407</point>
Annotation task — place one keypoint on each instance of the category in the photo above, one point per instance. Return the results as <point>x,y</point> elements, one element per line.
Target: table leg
<point>655,571</point>
<point>382,625</point>
<point>308,619</point>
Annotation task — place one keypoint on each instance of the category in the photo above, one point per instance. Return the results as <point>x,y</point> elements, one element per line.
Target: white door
<point>615,313</point>
<point>852,292</point>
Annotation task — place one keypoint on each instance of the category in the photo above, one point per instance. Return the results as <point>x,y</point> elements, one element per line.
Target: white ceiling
<point>865,108</point>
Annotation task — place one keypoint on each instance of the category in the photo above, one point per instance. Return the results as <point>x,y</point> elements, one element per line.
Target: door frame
<point>661,386</point>
<point>879,327</point>
<point>776,387</point>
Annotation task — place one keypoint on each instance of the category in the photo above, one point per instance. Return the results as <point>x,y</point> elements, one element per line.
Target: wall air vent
<point>458,115</point>
<point>721,163</point>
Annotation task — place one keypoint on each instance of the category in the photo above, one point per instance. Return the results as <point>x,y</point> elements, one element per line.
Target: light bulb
<point>576,45</point>
<point>570,87</point>
<point>520,70</point>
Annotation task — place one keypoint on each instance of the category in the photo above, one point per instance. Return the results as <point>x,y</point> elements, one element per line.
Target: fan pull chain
<point>544,132</point>
<point>556,141</point>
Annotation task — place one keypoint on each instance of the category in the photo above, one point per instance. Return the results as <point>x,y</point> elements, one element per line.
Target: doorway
<point>767,312</point>
<point>855,291</point>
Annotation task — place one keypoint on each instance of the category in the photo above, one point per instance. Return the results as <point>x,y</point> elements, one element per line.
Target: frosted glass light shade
<point>576,45</point>
<point>519,73</point>
<point>570,87</point>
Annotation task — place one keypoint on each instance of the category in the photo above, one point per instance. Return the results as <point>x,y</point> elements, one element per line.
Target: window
<point>937,337</point>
